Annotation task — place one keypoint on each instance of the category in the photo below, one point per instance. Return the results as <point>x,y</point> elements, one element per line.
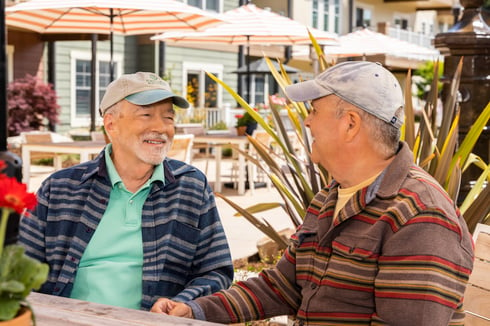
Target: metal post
<point>161,58</point>
<point>14,163</point>
<point>3,79</point>
<point>93,79</point>
<point>111,64</point>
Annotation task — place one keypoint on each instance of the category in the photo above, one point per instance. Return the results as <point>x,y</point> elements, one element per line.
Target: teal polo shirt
<point>111,268</point>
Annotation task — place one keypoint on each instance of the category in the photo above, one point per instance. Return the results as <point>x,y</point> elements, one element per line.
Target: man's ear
<point>109,123</point>
<point>353,124</point>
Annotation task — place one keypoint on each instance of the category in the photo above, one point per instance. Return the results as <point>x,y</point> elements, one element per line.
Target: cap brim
<point>156,95</point>
<point>306,91</point>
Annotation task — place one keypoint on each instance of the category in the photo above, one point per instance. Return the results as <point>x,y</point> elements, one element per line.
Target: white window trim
<point>82,55</point>
<point>366,7</point>
<point>322,9</point>
<point>215,69</point>
<point>220,6</point>
<point>399,15</point>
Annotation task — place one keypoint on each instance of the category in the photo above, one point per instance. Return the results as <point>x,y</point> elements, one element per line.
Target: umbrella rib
<point>57,18</point>
<point>183,20</point>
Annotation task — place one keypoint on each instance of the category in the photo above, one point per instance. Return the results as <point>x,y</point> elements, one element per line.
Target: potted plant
<point>245,124</point>
<point>19,274</point>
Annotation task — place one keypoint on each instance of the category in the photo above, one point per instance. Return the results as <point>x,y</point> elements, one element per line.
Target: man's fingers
<point>180,309</point>
<point>162,305</point>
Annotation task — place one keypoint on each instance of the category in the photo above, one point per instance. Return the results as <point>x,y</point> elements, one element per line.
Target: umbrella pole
<point>249,81</point>
<point>111,63</point>
<point>3,80</point>
<point>93,73</point>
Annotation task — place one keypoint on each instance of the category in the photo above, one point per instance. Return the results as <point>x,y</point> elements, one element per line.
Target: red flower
<point>14,195</point>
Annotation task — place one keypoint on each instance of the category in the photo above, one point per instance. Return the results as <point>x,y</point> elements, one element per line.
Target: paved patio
<point>241,234</point>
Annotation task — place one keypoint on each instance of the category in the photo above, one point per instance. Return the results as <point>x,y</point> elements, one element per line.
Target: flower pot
<point>24,318</point>
<point>251,128</point>
<point>241,130</point>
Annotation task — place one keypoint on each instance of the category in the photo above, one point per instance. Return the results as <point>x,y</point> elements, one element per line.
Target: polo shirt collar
<point>158,174</point>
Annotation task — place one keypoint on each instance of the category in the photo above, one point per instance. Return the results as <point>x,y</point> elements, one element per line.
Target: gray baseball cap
<point>141,88</point>
<point>367,85</point>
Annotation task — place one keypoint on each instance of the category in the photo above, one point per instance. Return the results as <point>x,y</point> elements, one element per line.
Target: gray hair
<point>115,110</point>
<point>384,136</point>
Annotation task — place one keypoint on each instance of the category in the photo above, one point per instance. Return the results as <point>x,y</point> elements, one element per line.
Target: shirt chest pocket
<point>352,267</point>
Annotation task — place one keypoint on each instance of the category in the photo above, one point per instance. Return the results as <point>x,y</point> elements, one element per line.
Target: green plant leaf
<point>262,207</point>
<point>479,210</point>
<point>409,125</point>
<point>443,164</point>
<point>475,190</point>
<point>471,138</point>
<point>19,275</point>
<point>264,227</point>
<point>8,308</point>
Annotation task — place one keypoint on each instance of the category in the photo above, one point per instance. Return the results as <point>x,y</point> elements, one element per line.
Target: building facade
<point>67,64</point>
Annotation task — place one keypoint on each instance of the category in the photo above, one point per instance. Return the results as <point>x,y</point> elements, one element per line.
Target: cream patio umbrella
<point>365,42</point>
<point>248,25</point>
<point>107,17</point>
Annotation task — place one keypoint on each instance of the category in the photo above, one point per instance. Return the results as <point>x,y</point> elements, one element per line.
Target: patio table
<point>218,141</point>
<point>83,148</point>
<point>59,311</point>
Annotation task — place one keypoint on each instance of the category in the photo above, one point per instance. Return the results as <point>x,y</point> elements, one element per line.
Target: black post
<point>14,163</point>
<point>3,79</point>
<point>51,62</point>
<point>351,15</point>
<point>111,64</point>
<point>288,50</point>
<point>51,73</point>
<point>93,75</point>
<point>161,58</point>
<point>241,58</point>
<point>249,79</point>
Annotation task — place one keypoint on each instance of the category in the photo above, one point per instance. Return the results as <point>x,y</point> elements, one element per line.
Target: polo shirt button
<point>313,286</point>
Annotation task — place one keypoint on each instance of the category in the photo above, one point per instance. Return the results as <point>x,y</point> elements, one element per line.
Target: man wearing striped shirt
<point>131,226</point>
<point>383,244</point>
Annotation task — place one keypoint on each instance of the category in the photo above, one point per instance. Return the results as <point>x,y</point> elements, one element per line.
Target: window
<point>201,91</point>
<point>81,85</point>
<point>260,86</point>
<point>363,17</point>
<point>401,23</point>
<point>210,5</point>
<point>314,12</point>
<point>325,15</point>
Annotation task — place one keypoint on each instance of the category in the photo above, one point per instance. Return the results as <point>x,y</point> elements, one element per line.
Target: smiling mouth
<point>155,142</point>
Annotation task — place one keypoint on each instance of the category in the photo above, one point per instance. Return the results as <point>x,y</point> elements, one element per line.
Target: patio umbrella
<point>248,25</point>
<point>366,42</point>
<point>107,17</point>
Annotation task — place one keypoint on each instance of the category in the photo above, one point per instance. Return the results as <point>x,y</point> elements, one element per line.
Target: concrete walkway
<point>241,234</point>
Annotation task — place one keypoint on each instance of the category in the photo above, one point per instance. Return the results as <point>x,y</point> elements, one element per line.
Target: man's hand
<point>173,308</point>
